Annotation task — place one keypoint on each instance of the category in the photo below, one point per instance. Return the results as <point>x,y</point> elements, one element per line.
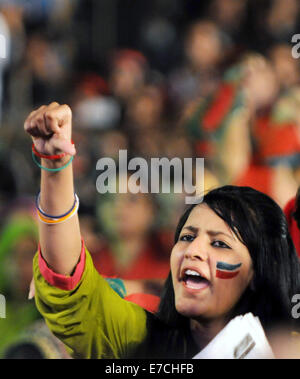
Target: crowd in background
<point>159,79</point>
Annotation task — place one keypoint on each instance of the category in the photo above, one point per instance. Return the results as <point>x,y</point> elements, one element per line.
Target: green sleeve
<point>91,320</point>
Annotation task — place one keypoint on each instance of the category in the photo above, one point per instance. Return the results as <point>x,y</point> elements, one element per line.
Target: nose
<point>197,250</point>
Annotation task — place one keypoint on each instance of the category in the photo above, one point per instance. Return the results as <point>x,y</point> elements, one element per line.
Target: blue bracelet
<point>37,202</point>
<point>51,169</point>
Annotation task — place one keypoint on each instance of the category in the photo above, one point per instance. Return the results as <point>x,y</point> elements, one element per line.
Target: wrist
<point>52,162</point>
<point>56,167</point>
<point>57,163</point>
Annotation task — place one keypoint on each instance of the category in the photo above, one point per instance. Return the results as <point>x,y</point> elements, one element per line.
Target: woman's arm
<point>84,313</point>
<point>51,128</point>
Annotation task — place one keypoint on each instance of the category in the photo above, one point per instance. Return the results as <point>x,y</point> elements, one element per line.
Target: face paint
<point>226,270</point>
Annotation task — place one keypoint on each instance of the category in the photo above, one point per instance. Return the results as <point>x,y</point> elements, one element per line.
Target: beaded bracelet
<point>51,169</point>
<point>49,219</point>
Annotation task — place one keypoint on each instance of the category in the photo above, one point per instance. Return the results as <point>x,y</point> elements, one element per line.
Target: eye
<point>187,238</point>
<point>220,244</point>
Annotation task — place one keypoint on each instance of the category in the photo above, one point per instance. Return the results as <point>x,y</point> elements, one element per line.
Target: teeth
<point>192,272</point>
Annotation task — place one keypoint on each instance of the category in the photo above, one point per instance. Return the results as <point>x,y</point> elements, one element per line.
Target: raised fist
<point>50,128</point>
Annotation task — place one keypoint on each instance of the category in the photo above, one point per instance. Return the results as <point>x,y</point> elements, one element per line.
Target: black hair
<point>296,214</point>
<point>260,225</point>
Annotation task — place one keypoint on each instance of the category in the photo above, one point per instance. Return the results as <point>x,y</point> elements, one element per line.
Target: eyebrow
<point>212,233</point>
<point>191,228</point>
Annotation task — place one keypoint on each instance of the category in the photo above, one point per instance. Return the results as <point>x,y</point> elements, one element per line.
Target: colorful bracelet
<point>46,156</point>
<point>51,169</point>
<point>37,203</point>
<point>58,221</point>
<point>48,219</point>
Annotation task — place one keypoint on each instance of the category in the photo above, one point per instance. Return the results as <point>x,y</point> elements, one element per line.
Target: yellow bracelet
<point>52,221</point>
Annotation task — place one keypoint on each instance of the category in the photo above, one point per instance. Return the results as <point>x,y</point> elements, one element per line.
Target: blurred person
<point>36,342</point>
<point>273,22</point>
<point>176,144</point>
<point>96,120</point>
<point>128,74</point>
<point>84,168</point>
<point>220,125</point>
<point>45,69</point>
<point>158,37</point>
<point>229,15</point>
<point>278,182</point>
<point>94,106</point>
<point>62,12</point>
<point>282,19</point>
<point>84,165</point>
<point>248,133</point>
<point>145,122</point>
<point>259,82</point>
<point>276,158</point>
<point>111,142</point>
<point>89,230</point>
<point>280,138</point>
<point>286,67</point>
<point>132,249</point>
<point>200,74</point>
<point>94,145</point>
<point>146,110</point>
<point>18,242</point>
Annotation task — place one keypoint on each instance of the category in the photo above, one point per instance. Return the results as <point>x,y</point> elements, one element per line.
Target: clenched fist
<point>50,128</point>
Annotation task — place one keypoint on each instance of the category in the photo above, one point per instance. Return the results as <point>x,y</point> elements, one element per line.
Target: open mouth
<point>193,280</point>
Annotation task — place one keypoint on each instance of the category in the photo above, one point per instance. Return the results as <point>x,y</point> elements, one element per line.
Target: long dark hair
<point>260,225</point>
<point>296,214</point>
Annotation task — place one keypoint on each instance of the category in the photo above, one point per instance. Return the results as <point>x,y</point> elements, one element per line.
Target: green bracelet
<point>51,169</point>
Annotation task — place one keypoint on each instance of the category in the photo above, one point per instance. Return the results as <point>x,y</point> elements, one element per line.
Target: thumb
<point>65,146</point>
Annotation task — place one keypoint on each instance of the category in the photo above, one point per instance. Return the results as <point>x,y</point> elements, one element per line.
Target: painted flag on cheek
<point>227,270</point>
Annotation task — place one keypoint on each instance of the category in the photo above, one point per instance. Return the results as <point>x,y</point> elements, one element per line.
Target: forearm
<point>60,243</point>
<point>50,128</point>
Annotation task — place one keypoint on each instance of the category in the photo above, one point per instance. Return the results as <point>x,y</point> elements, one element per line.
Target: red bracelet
<point>46,156</point>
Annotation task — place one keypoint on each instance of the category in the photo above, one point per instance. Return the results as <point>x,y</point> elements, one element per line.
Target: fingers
<point>55,116</point>
<point>50,128</point>
<point>48,120</point>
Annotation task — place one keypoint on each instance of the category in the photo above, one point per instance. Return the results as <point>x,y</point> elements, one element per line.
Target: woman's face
<point>210,267</point>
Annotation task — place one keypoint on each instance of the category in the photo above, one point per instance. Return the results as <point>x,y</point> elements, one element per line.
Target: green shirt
<point>93,321</point>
